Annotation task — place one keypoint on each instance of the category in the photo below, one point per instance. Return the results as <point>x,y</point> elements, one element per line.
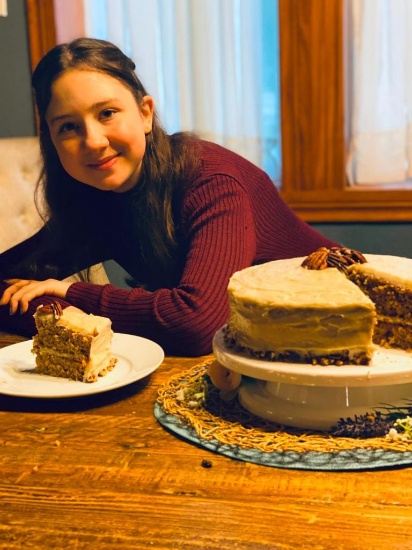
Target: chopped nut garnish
<point>339,257</point>
<point>53,307</point>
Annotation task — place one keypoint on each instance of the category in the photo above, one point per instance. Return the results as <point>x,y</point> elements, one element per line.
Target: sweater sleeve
<point>218,221</point>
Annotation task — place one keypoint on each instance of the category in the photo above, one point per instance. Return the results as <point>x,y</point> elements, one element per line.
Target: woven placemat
<point>225,427</point>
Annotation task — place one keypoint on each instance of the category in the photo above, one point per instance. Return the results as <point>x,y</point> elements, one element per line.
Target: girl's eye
<point>107,113</point>
<point>66,127</point>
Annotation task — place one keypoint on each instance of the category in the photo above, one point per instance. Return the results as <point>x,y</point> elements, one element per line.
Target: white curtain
<point>203,61</point>
<point>380,91</point>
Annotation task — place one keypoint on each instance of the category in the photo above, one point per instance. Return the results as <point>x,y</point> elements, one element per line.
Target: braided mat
<point>227,428</point>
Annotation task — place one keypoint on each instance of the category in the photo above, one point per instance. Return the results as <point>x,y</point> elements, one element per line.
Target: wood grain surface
<point>100,472</point>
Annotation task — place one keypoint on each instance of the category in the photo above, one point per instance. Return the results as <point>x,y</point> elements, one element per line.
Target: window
<point>312,114</point>
<point>312,110</point>
<point>211,67</point>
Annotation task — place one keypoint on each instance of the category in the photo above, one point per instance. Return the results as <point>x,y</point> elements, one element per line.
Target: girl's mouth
<point>104,164</point>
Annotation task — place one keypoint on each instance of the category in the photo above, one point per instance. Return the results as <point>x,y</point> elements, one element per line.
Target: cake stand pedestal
<point>315,397</point>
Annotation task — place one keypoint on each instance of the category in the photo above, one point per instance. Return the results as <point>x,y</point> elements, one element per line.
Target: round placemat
<point>189,406</point>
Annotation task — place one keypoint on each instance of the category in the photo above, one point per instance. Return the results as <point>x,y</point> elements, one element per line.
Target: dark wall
<point>375,238</point>
<point>16,108</point>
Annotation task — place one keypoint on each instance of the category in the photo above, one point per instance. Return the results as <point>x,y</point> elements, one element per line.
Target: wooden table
<point>100,472</point>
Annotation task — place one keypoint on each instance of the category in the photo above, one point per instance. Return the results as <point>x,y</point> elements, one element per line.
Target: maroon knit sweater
<point>232,217</point>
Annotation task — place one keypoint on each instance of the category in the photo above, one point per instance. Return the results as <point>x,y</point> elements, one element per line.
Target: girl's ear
<point>147,110</point>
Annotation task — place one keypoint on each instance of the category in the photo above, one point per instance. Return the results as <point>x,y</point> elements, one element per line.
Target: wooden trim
<point>40,28</point>
<point>314,181</point>
<point>41,33</point>
<point>352,205</point>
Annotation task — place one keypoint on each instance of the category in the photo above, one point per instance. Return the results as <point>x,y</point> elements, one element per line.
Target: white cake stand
<point>315,397</point>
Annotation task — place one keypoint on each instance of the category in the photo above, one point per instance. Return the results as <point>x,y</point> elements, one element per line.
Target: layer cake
<point>328,308</point>
<point>72,344</point>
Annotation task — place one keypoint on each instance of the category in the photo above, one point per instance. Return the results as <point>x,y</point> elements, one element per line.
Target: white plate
<point>136,358</point>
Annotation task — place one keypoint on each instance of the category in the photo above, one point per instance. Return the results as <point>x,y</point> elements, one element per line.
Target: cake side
<point>282,311</point>
<point>71,344</point>
<point>387,281</point>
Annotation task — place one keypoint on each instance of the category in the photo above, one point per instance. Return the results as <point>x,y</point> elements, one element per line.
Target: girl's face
<point>98,129</point>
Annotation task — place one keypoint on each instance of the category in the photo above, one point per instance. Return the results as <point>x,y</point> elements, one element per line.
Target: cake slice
<point>72,344</point>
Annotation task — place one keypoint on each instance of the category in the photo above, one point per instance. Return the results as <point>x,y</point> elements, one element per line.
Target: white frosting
<point>75,319</point>
<point>286,282</point>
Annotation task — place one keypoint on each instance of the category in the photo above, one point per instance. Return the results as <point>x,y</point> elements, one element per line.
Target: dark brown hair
<point>165,163</point>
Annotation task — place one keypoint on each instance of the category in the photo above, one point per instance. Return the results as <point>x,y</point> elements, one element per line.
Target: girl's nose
<point>95,138</point>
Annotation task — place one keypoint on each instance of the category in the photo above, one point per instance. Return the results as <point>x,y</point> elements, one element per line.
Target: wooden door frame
<point>40,28</point>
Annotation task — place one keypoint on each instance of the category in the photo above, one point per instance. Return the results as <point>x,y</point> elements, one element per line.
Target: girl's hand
<point>21,291</point>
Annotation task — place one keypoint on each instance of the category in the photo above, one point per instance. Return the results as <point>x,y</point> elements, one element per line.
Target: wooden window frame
<point>40,28</point>
<point>314,181</point>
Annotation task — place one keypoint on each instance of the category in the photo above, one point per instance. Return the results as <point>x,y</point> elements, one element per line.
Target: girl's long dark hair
<point>71,205</point>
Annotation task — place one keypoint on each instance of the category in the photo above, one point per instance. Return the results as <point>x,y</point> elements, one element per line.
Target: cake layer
<point>392,334</point>
<point>69,367</point>
<point>62,339</point>
<point>384,280</point>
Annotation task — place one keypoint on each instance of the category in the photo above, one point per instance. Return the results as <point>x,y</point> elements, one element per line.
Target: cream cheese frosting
<point>393,269</point>
<point>75,319</point>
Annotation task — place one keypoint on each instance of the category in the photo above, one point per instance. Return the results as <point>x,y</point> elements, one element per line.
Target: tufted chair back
<point>19,171</point>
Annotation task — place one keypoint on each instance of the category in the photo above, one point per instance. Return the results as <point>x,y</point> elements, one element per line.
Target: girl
<point>179,214</point>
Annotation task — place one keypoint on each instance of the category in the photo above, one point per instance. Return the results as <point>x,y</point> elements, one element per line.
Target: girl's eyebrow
<point>97,105</point>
